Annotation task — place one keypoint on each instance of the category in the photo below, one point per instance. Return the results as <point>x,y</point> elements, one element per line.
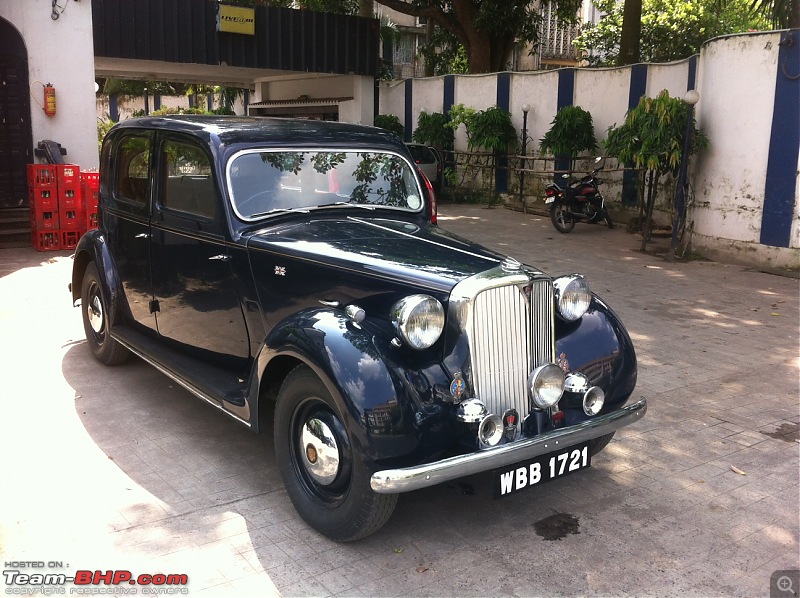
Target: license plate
<point>549,200</point>
<point>536,472</point>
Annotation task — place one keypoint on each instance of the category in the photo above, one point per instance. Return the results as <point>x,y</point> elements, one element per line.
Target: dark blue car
<point>299,263</point>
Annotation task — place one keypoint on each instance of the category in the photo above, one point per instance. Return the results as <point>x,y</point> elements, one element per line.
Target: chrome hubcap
<point>95,313</point>
<point>319,451</point>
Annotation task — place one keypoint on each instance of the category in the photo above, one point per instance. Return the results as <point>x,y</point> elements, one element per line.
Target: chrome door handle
<point>221,257</point>
<point>142,236</point>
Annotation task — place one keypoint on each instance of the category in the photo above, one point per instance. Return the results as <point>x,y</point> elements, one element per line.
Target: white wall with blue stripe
<point>747,194</point>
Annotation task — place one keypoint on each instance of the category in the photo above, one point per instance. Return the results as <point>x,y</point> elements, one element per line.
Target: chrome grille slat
<point>509,337</point>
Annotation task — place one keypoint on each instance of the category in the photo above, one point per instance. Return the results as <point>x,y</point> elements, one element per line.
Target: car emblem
<point>457,386</point>
<point>563,363</point>
<point>510,421</point>
<point>280,271</point>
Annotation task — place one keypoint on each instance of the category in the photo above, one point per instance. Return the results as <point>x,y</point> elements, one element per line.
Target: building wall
<point>60,52</point>
<point>746,194</point>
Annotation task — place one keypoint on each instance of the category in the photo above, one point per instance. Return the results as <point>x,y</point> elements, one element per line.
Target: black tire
<point>598,444</point>
<point>327,482</point>
<point>96,312</point>
<point>561,221</point>
<point>608,221</point>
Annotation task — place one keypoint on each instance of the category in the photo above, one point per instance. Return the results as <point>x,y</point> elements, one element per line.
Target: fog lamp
<point>490,432</point>
<point>593,400</point>
<point>471,411</point>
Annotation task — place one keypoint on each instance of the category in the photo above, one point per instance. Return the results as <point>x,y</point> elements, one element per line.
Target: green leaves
<point>433,129</point>
<point>571,133</point>
<point>391,123</point>
<point>652,135</point>
<point>492,130</point>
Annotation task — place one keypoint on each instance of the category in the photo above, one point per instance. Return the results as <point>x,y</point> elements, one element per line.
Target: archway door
<point>15,119</point>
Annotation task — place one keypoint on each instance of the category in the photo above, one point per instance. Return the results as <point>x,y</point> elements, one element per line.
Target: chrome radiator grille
<point>509,337</point>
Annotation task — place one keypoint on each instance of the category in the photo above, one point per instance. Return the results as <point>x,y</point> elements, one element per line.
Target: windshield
<point>266,182</point>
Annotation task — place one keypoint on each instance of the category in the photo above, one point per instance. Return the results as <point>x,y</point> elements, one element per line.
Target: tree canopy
<point>487,30</point>
<point>670,29</point>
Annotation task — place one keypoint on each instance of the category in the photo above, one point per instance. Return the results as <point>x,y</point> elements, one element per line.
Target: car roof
<point>269,131</point>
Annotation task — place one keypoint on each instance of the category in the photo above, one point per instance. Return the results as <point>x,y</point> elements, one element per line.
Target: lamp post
<point>525,109</point>
<point>691,98</point>
<point>146,103</point>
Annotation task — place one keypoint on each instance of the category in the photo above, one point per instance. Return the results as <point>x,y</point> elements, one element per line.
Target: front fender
<point>92,248</point>
<point>355,364</point>
<point>598,346</point>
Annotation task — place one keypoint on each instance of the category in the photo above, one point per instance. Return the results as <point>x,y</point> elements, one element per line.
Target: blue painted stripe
<point>449,93</point>
<point>691,82</point>
<point>631,178</point>
<point>157,101</point>
<point>503,102</point>
<point>209,102</point>
<point>780,189</point>
<point>113,108</point>
<point>409,113</point>
<point>566,95</point>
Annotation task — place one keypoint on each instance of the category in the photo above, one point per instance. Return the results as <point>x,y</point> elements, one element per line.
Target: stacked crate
<point>90,186</point>
<point>63,202</point>
<point>43,200</point>
<point>70,205</point>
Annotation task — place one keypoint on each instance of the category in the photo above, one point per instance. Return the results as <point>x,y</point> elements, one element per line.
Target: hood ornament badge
<point>511,265</point>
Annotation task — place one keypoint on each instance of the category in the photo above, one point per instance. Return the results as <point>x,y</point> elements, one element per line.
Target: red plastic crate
<point>46,240</point>
<point>71,218</point>
<point>90,186</point>
<point>44,220</point>
<point>69,175</point>
<point>91,219</point>
<point>43,198</point>
<point>70,238</point>
<point>41,175</point>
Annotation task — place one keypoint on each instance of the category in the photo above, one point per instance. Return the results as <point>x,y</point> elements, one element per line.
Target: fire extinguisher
<point>49,100</point>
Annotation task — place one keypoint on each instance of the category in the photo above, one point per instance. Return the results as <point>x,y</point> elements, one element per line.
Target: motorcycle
<point>579,200</point>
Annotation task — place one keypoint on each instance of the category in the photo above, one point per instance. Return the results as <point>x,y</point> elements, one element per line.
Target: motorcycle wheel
<point>562,221</point>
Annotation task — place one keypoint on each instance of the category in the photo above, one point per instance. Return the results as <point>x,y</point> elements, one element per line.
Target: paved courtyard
<point>121,469</point>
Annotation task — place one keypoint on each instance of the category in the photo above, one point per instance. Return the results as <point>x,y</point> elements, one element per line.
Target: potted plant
<point>651,138</point>
<point>571,133</point>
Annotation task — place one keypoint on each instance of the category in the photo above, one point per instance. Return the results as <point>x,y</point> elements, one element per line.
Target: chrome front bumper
<point>391,481</point>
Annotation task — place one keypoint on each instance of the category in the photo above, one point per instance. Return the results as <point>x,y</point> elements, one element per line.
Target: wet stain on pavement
<point>557,526</point>
<point>786,432</point>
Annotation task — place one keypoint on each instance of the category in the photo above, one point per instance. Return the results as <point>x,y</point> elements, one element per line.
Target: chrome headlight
<point>419,320</point>
<point>546,385</point>
<point>572,296</point>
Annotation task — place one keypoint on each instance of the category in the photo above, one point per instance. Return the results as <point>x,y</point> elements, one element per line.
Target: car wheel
<point>561,220</point>
<point>326,479</point>
<point>96,313</point>
<point>598,444</point>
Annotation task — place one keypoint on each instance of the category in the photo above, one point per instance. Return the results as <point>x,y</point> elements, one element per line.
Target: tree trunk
<point>631,33</point>
<point>428,35</point>
<point>366,8</point>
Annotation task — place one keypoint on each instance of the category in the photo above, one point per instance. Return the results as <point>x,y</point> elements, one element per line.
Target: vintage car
<point>300,263</point>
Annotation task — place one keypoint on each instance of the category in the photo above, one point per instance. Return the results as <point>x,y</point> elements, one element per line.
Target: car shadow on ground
<point>209,480</point>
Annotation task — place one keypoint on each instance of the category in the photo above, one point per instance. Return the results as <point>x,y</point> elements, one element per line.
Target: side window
<point>132,181</point>
<point>187,182</point>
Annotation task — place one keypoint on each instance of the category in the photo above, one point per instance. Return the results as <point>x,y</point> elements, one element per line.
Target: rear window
<point>262,183</point>
<point>422,154</point>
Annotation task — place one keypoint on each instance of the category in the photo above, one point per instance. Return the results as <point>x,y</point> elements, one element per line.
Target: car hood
<point>402,250</point>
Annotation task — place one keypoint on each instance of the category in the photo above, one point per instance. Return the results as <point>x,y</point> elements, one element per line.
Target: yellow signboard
<point>236,19</point>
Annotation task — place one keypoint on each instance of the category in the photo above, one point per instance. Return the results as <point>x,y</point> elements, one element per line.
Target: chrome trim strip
<point>391,481</point>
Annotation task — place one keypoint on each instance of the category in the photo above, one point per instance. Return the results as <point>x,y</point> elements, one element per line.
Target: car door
<point>126,163</point>
<point>194,288</point>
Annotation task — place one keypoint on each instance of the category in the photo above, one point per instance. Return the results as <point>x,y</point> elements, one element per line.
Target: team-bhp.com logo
<point>27,582</point>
